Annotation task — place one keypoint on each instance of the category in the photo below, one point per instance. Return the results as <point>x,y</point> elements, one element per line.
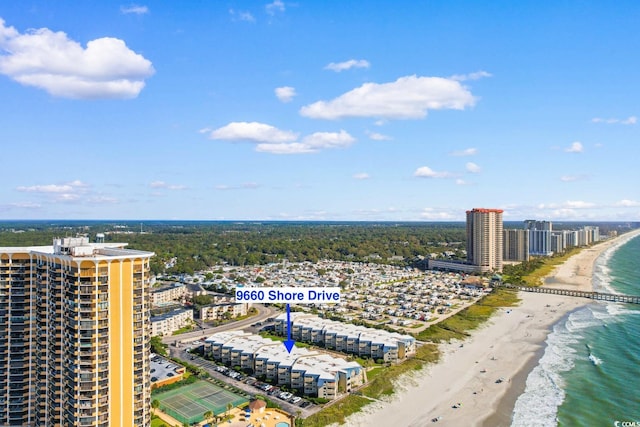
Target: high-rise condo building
<point>484,239</point>
<point>539,237</point>
<point>516,245</point>
<point>74,335</point>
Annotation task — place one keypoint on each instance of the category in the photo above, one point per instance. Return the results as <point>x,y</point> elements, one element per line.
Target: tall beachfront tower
<point>539,237</point>
<point>74,335</point>
<point>515,245</point>
<point>485,239</point>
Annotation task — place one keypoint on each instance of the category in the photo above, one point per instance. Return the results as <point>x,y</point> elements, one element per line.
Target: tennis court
<point>189,403</point>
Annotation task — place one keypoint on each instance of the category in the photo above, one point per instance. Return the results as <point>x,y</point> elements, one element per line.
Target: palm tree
<point>155,403</point>
<point>208,415</point>
<point>229,407</point>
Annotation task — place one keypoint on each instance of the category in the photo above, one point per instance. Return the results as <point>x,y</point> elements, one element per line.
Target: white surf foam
<point>538,405</point>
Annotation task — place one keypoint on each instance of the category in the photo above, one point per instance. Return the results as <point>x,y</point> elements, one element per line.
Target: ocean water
<point>589,374</point>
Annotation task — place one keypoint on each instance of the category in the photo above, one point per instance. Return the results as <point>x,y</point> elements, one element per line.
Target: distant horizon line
<point>305,220</point>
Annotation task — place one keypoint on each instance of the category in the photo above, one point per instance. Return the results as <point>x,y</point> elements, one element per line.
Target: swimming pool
<point>282,424</point>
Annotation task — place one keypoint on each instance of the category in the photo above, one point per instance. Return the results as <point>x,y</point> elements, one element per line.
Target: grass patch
<point>338,412</point>
<point>282,339</point>
<point>158,422</point>
<point>371,374</point>
<point>381,384</point>
<point>533,272</point>
<point>536,277</point>
<point>183,330</point>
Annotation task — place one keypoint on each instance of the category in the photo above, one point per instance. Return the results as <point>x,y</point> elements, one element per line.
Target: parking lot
<point>287,401</point>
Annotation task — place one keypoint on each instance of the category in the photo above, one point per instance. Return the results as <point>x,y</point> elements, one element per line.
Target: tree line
<point>195,246</point>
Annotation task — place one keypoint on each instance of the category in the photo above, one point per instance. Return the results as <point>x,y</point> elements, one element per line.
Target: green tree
<point>158,347</point>
<point>202,299</point>
<point>229,407</point>
<point>208,416</point>
<point>155,403</point>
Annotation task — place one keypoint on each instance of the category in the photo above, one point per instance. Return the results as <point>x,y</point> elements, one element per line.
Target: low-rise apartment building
<point>175,292</point>
<point>220,307</point>
<point>365,342</point>
<point>309,372</point>
<point>167,323</point>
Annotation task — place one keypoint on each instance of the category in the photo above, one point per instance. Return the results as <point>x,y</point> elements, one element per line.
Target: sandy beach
<point>477,382</point>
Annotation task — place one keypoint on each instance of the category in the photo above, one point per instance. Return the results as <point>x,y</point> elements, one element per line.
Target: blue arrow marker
<point>289,342</point>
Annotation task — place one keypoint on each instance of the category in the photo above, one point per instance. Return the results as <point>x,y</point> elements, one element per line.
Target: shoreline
<point>507,347</point>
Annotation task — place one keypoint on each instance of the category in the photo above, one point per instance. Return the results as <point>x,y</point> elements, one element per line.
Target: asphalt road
<point>263,313</point>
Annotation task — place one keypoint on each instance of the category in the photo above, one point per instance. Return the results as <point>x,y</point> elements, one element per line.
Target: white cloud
<point>241,16</point>
<point>253,131</point>
<point>49,188</point>
<point>100,200</point>
<point>276,141</point>
<point>626,203</point>
<point>67,192</point>
<point>569,204</point>
<point>471,76</point>
<point>310,143</point>
<point>472,167</point>
<point>319,140</point>
<point>427,172</point>
<point>347,65</point>
<point>49,60</point>
<point>408,97</point>
<point>437,214</point>
<point>579,204</point>
<point>162,184</point>
<point>378,136</point>
<point>465,152</point>
<point>361,175</point>
<point>576,147</point>
<point>285,93</point>
<point>135,9</point>
<point>25,205</point>
<point>276,6</point>
<point>573,178</point>
<point>631,120</point>
<point>53,188</point>
<point>285,148</point>
<point>461,182</point>
<point>244,186</point>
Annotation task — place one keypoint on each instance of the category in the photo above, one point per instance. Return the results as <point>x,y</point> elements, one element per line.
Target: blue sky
<point>313,110</point>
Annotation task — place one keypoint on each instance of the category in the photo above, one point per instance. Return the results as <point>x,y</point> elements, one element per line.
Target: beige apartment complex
<point>74,335</point>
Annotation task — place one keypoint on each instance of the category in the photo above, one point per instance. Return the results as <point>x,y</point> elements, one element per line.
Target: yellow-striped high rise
<point>74,335</point>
